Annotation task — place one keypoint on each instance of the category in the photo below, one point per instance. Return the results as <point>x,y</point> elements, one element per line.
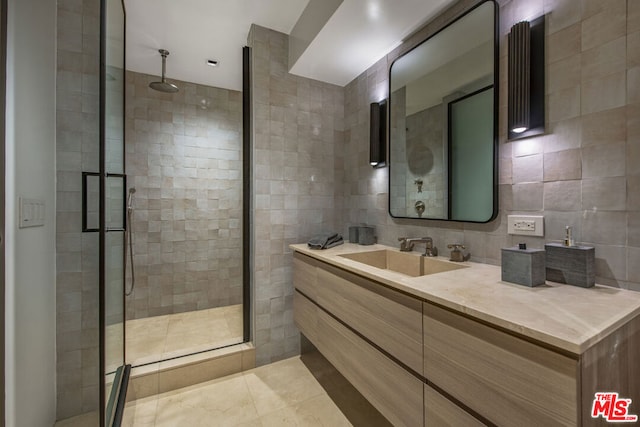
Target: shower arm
<point>164,64</point>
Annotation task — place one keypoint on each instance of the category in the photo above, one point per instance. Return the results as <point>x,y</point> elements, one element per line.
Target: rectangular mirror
<point>443,123</point>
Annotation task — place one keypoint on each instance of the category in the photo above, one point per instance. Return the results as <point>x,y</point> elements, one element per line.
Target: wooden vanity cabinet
<point>385,317</point>
<point>305,276</point>
<point>442,412</point>
<point>421,364</point>
<point>370,335</point>
<point>501,377</point>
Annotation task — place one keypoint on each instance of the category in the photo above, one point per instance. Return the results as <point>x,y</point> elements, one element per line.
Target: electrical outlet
<point>525,225</point>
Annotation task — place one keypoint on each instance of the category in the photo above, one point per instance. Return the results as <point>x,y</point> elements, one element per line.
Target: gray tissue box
<point>523,266</point>
<point>573,265</point>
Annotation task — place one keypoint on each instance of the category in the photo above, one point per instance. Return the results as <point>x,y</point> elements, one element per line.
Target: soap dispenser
<point>568,238</point>
<point>569,263</point>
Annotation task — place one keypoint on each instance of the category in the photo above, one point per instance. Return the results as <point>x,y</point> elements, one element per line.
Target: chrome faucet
<point>407,244</point>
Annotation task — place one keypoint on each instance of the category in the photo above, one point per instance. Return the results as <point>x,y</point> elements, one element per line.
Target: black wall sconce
<point>526,79</point>
<point>378,134</point>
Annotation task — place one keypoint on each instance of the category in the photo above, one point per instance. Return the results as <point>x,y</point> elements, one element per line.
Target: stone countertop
<point>564,316</point>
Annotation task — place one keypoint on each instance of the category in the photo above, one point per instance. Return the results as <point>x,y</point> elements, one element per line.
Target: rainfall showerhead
<point>163,85</point>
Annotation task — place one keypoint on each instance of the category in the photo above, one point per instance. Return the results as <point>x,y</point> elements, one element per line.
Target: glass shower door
<point>112,211</point>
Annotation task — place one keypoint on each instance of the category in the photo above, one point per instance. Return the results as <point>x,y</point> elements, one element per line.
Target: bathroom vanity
<point>432,342</point>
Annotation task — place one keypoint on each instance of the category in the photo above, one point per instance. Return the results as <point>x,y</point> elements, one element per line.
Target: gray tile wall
<point>77,148</point>
<point>183,156</point>
<point>584,172</point>
<point>297,179</point>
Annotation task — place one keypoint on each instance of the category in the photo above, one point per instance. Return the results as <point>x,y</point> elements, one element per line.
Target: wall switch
<point>525,225</point>
<point>31,212</point>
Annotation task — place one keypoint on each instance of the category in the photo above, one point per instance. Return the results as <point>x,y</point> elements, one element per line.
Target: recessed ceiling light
<point>212,63</point>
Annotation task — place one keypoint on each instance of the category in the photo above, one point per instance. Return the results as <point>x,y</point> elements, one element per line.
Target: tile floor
<point>279,394</point>
<point>85,420</point>
<point>152,339</point>
<point>300,391</point>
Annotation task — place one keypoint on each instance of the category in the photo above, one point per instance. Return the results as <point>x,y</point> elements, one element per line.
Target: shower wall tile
<point>298,135</point>
<point>587,175</point>
<point>184,160</point>
<point>76,252</point>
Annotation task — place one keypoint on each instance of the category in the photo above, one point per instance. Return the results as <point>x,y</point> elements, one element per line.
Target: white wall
<point>30,172</point>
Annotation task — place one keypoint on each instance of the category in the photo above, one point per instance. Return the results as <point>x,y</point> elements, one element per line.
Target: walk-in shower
<point>184,249</point>
<point>184,163</point>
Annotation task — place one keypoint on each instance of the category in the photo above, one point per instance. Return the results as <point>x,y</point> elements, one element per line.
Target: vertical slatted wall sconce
<point>378,134</point>
<point>526,79</point>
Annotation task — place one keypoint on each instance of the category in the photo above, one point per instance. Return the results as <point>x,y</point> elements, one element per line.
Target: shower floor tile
<point>158,338</point>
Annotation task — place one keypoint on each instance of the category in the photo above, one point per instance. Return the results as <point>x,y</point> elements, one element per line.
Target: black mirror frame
<point>496,100</point>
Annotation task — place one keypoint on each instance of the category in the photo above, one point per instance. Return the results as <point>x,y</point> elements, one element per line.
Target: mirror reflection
<point>442,132</point>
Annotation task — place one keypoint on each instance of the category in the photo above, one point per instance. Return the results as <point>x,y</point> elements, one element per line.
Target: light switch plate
<point>525,225</point>
<point>31,213</point>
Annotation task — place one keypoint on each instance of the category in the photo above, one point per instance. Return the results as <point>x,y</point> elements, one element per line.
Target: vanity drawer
<point>305,316</point>
<point>391,320</point>
<point>305,276</point>
<point>392,390</point>
<point>506,379</point>
<point>441,412</point>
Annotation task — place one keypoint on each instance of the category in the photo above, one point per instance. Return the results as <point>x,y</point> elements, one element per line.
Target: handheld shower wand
<point>132,191</point>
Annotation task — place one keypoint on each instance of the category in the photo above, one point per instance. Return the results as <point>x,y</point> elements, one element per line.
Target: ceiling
<point>354,37</point>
